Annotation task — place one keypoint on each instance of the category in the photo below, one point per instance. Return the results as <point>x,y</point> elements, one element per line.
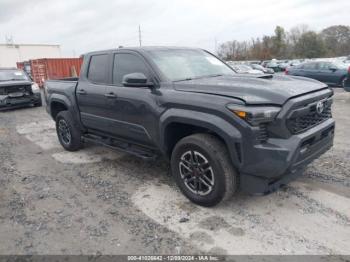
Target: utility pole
<point>140,37</point>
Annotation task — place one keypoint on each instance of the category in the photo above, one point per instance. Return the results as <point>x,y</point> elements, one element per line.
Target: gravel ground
<point>97,201</point>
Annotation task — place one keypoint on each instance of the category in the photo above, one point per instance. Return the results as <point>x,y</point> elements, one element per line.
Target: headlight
<point>35,88</point>
<point>255,115</point>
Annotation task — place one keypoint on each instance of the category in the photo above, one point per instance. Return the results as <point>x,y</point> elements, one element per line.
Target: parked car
<point>294,62</point>
<point>332,73</point>
<point>245,69</point>
<point>282,65</point>
<point>274,66</point>
<point>221,131</point>
<point>265,62</point>
<point>262,69</point>
<point>17,89</point>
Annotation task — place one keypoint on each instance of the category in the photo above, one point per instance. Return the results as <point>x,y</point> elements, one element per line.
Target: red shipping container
<point>20,65</point>
<point>54,68</point>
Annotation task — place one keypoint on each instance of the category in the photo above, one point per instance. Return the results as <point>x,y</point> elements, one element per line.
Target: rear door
<point>91,92</point>
<point>308,70</point>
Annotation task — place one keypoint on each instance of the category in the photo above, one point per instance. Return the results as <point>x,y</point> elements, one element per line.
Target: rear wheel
<point>343,81</point>
<point>202,169</point>
<point>68,134</point>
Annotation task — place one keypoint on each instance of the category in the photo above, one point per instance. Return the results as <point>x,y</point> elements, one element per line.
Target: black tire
<point>343,81</point>
<point>223,177</point>
<point>64,125</point>
<point>38,104</point>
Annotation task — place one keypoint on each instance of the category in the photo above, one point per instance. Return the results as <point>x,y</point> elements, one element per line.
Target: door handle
<point>111,95</point>
<point>81,92</point>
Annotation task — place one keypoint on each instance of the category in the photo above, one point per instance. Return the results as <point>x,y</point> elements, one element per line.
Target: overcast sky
<point>84,25</point>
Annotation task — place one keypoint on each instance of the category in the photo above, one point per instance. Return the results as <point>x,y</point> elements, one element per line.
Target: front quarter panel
<point>215,124</point>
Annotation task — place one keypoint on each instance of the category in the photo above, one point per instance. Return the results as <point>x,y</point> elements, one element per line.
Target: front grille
<point>25,89</point>
<point>263,133</point>
<point>298,123</point>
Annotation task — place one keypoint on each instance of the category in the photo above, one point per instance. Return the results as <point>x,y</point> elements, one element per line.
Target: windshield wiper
<point>199,77</point>
<point>213,75</point>
<point>185,79</point>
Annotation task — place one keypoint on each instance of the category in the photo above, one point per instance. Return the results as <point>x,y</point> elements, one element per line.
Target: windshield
<point>340,65</point>
<point>182,64</point>
<point>12,75</point>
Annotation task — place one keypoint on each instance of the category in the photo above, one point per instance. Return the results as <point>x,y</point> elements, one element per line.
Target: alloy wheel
<point>64,132</point>
<point>196,173</point>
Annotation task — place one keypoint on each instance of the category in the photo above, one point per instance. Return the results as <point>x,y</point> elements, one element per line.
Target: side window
<point>310,66</point>
<point>126,64</point>
<point>98,69</point>
<point>324,66</point>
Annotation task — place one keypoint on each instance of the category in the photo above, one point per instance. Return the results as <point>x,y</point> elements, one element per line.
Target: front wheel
<point>202,169</point>
<point>68,134</point>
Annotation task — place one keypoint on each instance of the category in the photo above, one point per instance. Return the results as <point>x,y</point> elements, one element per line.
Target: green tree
<point>299,42</point>
<point>337,40</point>
<point>310,45</point>
<point>279,42</point>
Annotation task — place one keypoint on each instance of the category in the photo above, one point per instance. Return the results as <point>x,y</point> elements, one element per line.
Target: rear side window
<point>324,65</point>
<point>310,66</point>
<point>98,69</point>
<point>127,64</point>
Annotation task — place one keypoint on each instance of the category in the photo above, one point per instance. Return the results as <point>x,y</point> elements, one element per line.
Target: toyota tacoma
<point>221,131</point>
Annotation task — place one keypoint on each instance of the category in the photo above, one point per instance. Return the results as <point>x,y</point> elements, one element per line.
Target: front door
<point>327,74</point>
<point>309,70</point>
<point>131,111</point>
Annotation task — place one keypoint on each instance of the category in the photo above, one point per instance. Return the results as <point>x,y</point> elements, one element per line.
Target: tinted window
<point>127,64</point>
<point>324,65</point>
<point>98,68</point>
<point>310,66</point>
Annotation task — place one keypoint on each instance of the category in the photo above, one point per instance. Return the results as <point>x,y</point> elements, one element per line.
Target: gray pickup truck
<point>220,130</point>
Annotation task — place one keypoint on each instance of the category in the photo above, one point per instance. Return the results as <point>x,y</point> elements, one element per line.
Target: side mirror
<point>136,80</point>
<point>333,68</point>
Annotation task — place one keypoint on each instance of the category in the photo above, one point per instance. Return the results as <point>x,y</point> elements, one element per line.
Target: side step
<point>121,146</point>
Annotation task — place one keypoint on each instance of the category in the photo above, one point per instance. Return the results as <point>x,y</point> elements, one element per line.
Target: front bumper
<point>7,102</point>
<point>278,161</point>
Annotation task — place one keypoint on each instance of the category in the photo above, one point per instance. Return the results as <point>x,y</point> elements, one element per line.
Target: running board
<point>121,146</point>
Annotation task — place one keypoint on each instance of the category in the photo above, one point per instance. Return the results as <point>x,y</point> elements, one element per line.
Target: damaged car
<point>17,89</point>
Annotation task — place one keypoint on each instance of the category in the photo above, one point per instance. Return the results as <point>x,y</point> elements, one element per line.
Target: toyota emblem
<point>320,107</point>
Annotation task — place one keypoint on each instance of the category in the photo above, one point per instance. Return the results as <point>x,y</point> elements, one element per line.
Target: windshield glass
<point>12,75</point>
<point>183,64</point>
<point>340,65</point>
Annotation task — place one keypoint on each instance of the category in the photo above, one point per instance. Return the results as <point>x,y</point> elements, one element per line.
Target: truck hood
<point>252,89</point>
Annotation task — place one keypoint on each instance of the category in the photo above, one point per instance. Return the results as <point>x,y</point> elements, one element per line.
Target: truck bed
<point>65,87</point>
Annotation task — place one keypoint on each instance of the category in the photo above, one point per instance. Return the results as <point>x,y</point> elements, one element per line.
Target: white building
<point>10,54</point>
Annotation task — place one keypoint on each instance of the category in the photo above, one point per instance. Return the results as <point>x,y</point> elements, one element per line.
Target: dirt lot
<point>97,201</point>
